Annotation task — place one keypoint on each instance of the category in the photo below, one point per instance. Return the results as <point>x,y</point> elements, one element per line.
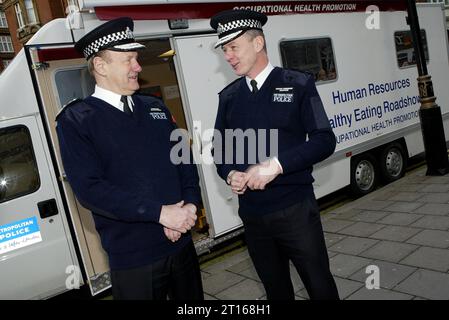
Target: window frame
<point>6,44</point>
<point>27,10</point>
<point>33,154</point>
<point>413,65</point>
<point>19,15</point>
<point>320,82</point>
<point>6,62</point>
<point>3,20</point>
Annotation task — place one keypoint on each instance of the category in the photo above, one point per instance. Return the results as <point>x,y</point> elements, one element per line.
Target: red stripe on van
<point>52,54</point>
<point>207,10</point>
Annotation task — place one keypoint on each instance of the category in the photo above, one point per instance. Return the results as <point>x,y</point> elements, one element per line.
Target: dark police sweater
<point>289,102</point>
<point>119,167</point>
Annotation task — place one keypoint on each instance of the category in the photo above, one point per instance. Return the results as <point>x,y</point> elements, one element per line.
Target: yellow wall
<point>161,75</point>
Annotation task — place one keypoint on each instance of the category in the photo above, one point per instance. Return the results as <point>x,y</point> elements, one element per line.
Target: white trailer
<point>364,67</point>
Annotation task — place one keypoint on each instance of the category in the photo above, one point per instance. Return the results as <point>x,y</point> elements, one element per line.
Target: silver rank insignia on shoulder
<point>283,95</point>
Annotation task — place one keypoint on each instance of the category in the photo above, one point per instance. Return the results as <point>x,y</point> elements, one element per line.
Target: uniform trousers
<point>292,234</point>
<point>177,277</point>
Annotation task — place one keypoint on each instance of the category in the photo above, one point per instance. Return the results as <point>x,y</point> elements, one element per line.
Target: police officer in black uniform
<point>115,147</point>
<point>276,199</point>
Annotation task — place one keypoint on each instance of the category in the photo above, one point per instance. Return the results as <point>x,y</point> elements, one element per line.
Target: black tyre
<point>364,174</point>
<point>392,162</point>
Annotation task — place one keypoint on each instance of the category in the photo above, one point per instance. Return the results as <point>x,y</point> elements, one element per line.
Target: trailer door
<point>35,253</point>
<point>62,75</point>
<point>203,73</point>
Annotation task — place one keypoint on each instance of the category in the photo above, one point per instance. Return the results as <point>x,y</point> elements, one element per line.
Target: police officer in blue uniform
<point>276,199</point>
<point>115,147</point>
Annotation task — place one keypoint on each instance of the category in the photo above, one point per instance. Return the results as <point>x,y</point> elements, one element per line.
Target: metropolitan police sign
<point>284,95</point>
<point>19,234</point>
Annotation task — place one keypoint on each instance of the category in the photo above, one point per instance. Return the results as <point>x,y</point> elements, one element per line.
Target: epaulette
<point>297,76</point>
<point>64,107</point>
<point>231,85</point>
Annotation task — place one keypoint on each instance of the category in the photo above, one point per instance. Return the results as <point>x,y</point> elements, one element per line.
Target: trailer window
<point>315,56</point>
<point>72,84</point>
<point>18,169</point>
<point>405,53</point>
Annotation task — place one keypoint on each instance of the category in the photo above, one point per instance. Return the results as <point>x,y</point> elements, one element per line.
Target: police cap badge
<point>231,24</point>
<point>113,35</point>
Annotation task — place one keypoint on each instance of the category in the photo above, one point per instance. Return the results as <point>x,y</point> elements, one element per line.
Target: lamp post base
<point>434,141</point>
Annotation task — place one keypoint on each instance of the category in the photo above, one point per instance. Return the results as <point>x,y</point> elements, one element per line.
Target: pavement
<point>401,231</point>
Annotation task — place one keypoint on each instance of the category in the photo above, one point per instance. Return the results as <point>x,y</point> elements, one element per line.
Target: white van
<point>48,243</point>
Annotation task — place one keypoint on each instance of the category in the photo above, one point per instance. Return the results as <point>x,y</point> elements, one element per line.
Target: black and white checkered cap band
<point>228,38</point>
<point>95,46</point>
<point>239,25</point>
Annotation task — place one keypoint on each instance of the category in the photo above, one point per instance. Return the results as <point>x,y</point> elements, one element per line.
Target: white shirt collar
<point>111,97</point>
<point>261,77</point>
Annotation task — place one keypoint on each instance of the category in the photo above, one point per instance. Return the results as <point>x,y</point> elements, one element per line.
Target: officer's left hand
<point>171,234</point>
<point>262,174</point>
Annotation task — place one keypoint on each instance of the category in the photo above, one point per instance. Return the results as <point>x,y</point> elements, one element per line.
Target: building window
<point>6,44</point>
<point>445,2</point>
<point>3,22</point>
<point>19,15</point>
<point>31,15</point>
<point>405,53</point>
<point>312,55</point>
<point>6,63</point>
<point>18,169</point>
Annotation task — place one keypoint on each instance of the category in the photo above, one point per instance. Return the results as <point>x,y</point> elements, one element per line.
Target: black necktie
<point>126,108</point>
<point>254,86</point>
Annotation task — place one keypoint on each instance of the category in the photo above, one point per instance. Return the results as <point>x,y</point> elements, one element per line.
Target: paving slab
<point>401,206</point>
<point>400,219</point>
<point>369,216</point>
<point>434,198</point>
<point>346,215</point>
<point>334,225</point>
<point>426,284</point>
<point>245,290</point>
<point>406,196</point>
<point>345,288</point>
<point>433,208</point>
<point>432,222</point>
<point>378,294</point>
<point>343,265</point>
<point>361,229</point>
<point>372,204</point>
<point>390,274</point>
<point>429,258</point>
<point>225,261</point>
<point>332,238</point>
<point>389,251</point>
<point>431,238</point>
<point>250,273</point>
<point>409,187</point>
<point>239,267</point>
<point>353,245</point>
<point>435,188</point>
<point>220,281</point>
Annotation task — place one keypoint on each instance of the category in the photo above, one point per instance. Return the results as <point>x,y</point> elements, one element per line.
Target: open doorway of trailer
<point>158,78</point>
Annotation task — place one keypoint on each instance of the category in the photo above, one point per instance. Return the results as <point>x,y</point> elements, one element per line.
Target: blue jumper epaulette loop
<point>68,104</point>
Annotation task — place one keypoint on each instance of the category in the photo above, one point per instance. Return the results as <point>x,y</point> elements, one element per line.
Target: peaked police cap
<point>231,24</point>
<point>113,35</point>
